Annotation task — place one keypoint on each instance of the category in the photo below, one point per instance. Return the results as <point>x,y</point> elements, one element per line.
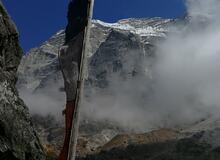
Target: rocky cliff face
<point>116,49</point>
<point>116,55</point>
<point>18,139</point>
<point>40,66</point>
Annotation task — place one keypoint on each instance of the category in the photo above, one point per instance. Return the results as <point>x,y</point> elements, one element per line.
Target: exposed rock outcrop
<point>18,140</point>
<point>115,49</point>
<point>184,149</point>
<point>93,135</point>
<point>39,67</point>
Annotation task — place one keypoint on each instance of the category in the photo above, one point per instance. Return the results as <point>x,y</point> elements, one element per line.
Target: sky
<point>37,20</point>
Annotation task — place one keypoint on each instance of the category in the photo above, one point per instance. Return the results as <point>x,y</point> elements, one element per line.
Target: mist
<point>185,84</point>
<point>186,70</point>
<point>181,87</point>
<point>45,101</point>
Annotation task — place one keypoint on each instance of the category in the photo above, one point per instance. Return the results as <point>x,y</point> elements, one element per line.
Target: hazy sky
<point>37,20</point>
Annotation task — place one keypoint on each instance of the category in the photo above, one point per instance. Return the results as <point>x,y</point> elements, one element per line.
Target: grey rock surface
<point>40,65</point>
<point>18,139</point>
<point>92,134</point>
<point>116,55</point>
<point>115,50</point>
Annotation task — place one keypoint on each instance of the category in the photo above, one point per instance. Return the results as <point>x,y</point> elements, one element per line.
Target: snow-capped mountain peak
<point>137,27</point>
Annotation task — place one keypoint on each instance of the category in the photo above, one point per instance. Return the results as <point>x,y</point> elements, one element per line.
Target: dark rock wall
<point>18,139</point>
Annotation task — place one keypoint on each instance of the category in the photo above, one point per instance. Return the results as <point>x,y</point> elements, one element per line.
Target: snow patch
<point>60,32</point>
<point>142,31</point>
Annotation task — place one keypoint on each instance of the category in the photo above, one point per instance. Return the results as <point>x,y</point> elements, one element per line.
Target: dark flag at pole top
<point>77,18</point>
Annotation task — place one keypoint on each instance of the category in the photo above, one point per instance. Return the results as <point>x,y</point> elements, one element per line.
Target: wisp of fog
<point>185,75</point>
